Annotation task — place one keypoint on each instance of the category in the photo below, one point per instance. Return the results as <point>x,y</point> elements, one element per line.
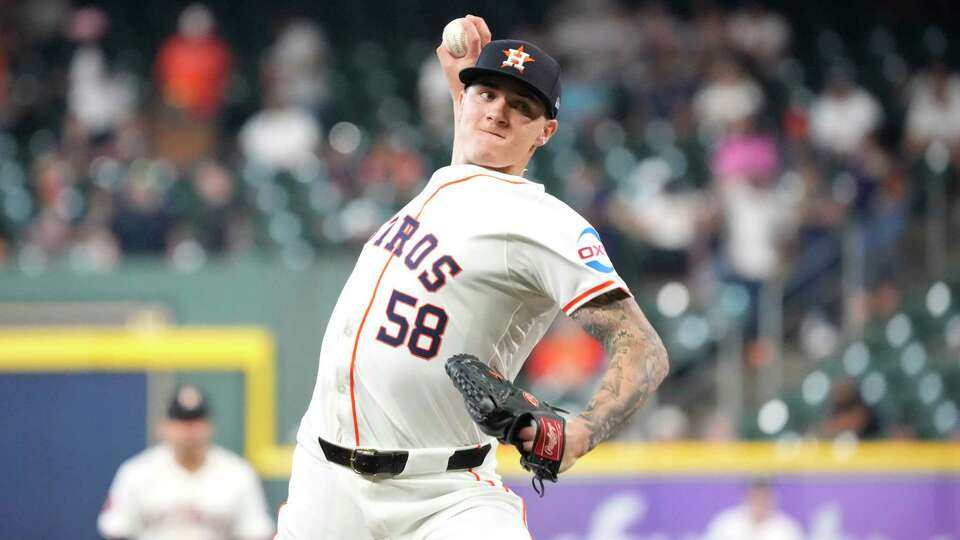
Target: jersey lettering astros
<point>479,262</point>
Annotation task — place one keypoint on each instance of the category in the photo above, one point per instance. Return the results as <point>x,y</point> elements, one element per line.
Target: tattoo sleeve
<point>637,362</point>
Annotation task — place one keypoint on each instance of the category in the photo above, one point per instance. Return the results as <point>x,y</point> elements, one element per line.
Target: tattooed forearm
<point>638,362</point>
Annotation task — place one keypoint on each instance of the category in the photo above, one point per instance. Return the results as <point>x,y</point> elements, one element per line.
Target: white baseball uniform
<point>479,262</point>
<point>154,498</point>
<point>737,523</point>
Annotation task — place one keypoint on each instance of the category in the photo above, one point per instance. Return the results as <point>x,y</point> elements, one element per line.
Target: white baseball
<point>455,38</point>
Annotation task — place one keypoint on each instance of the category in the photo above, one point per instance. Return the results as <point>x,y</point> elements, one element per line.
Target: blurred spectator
<point>745,156</point>
<point>934,110</point>
<point>756,216</point>
<point>759,33</point>
<point>433,98</point>
<point>848,413</point>
<point>98,101</point>
<point>193,68</point>
<point>843,116</point>
<point>49,232</point>
<point>660,30</point>
<point>884,215</point>
<point>52,176</point>
<point>581,190</point>
<point>661,87</point>
<point>709,32</point>
<point>280,136</point>
<point>655,76</point>
<point>391,162</point>
<point>650,208</point>
<point>757,518</point>
<point>817,247</point>
<point>43,19</point>
<point>659,83</point>
<point>727,96</point>
<point>186,487</point>
<point>593,40</point>
<point>95,249</point>
<point>216,217</point>
<point>296,69</point>
<point>141,221</point>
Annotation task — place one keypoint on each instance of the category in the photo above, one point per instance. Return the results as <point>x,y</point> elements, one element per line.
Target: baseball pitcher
<point>445,303</point>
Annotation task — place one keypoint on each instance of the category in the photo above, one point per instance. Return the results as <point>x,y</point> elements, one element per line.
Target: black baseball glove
<point>502,409</point>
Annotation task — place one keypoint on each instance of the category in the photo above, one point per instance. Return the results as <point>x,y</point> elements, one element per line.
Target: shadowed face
<point>501,124</point>
<point>187,436</point>
<point>762,503</point>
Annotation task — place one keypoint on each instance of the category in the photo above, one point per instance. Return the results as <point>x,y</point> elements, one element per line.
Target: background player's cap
<point>188,403</point>
<point>521,61</point>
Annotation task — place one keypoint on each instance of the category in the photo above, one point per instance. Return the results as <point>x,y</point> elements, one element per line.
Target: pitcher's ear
<point>549,128</point>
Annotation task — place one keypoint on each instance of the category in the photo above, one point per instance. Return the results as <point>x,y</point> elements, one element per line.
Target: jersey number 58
<point>428,326</point>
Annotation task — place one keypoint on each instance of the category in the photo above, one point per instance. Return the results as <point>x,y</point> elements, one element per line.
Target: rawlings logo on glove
<point>552,448</point>
<point>502,409</point>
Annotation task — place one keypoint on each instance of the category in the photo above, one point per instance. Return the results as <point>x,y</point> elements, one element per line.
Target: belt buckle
<point>367,452</point>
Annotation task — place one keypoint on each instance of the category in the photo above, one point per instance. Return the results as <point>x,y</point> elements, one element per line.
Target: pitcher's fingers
<point>482,28</point>
<point>474,44</point>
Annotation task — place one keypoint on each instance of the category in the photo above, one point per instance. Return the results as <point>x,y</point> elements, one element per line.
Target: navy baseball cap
<point>188,403</point>
<point>521,61</point>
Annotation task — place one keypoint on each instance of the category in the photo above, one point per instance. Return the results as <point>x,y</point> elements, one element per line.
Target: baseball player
<point>480,262</point>
<point>756,518</point>
<point>185,488</point>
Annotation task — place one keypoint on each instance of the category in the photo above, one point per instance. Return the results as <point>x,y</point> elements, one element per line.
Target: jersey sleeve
<point>252,521</point>
<point>555,253</point>
<point>120,516</point>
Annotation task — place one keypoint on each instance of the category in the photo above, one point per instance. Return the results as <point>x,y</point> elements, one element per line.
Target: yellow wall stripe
<point>251,350</point>
<point>690,458</point>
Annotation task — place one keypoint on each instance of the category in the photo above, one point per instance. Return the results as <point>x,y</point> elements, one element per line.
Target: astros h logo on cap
<point>516,58</point>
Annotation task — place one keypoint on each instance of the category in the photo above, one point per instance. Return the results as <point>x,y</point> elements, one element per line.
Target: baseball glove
<point>502,409</point>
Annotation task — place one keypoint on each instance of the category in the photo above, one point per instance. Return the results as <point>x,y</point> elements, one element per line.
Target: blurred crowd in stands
<point>715,149</point>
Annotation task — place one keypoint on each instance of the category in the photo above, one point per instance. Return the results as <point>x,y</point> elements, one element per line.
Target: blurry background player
<point>756,518</point>
<point>186,488</point>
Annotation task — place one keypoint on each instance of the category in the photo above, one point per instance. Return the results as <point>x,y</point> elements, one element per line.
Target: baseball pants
<point>329,502</point>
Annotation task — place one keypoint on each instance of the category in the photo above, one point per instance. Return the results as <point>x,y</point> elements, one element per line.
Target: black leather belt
<point>377,462</point>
